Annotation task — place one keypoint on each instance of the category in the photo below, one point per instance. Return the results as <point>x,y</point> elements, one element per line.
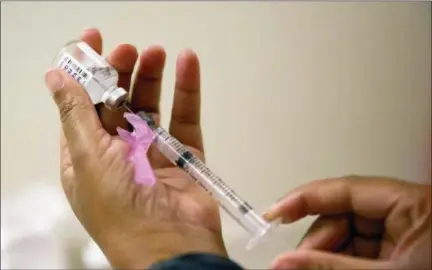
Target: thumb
<point>81,125</point>
<point>323,260</point>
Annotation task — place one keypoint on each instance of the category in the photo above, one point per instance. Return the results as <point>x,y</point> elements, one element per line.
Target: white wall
<point>291,91</point>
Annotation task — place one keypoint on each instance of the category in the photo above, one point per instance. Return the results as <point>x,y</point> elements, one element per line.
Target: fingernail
<point>54,80</point>
<point>90,29</point>
<point>276,210</point>
<point>271,215</point>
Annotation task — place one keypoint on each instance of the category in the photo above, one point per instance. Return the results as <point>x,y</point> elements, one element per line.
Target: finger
<point>147,87</point>
<point>123,59</point>
<point>146,92</point>
<point>327,233</point>
<point>366,248</point>
<point>322,260</point>
<point>93,38</point>
<point>185,116</point>
<point>370,197</point>
<point>336,234</point>
<point>82,128</point>
<point>418,256</point>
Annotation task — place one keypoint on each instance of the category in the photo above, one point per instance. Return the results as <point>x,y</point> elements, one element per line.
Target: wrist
<point>141,250</point>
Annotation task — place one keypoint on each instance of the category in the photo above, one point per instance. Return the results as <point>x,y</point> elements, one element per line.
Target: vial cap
<point>114,98</point>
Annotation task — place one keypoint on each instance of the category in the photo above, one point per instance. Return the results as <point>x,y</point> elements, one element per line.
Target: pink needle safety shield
<point>139,140</point>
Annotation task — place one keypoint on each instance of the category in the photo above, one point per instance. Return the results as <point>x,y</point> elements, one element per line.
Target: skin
<point>363,222</point>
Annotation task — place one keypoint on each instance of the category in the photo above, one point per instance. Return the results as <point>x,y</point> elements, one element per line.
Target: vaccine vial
<point>93,72</point>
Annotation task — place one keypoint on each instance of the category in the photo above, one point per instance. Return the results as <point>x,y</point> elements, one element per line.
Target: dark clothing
<point>196,261</point>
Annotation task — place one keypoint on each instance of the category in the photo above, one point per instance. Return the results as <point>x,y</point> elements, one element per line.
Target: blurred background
<point>292,92</point>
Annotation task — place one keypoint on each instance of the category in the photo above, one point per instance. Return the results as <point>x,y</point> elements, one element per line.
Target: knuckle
<point>67,108</point>
<point>343,183</point>
<point>185,115</point>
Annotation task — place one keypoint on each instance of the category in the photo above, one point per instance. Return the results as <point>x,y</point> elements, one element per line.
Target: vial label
<point>75,69</point>
<point>94,56</point>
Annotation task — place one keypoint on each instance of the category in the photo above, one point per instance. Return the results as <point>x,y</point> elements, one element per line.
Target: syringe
<point>183,158</point>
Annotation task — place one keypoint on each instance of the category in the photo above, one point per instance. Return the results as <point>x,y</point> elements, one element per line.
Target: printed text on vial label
<point>75,69</point>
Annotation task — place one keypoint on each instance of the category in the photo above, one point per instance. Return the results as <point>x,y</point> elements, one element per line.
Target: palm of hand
<point>174,197</point>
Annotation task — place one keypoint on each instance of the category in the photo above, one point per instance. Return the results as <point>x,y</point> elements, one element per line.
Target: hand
<point>135,225</point>
<point>363,223</point>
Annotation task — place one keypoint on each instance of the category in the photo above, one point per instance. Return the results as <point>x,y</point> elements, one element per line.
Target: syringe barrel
<point>181,156</point>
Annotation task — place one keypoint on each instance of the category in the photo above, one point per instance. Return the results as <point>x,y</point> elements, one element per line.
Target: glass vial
<point>93,72</point>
